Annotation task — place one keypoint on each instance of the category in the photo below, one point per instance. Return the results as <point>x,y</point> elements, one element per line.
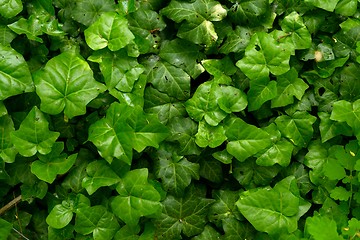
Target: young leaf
<point>110,30</point>
<point>264,55</point>
<point>231,99</point>
<point>210,136</point>
<point>11,8</point>
<point>15,77</point>
<point>60,216</point>
<point>34,135</point>
<point>66,83</point>
<point>245,140</point>
<point>322,228</point>
<point>99,174</point>
<point>50,165</point>
<point>340,193</point>
<point>136,197</point>
<point>280,153</point>
<point>7,149</point>
<point>96,220</point>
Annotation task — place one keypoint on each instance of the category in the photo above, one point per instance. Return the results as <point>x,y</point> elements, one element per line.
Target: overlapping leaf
<point>87,12</point>
<point>10,8</point>
<point>7,149</point>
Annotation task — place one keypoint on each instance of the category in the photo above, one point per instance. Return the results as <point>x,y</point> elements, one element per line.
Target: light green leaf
<point>221,69</point>
<point>203,104</point>
<point>10,8</point>
<point>112,136</point>
<point>261,90</point>
<point>297,127</point>
<point>15,77</point>
<point>210,136</point>
<point>60,216</point>
<point>171,80</point>
<point>136,197</point>
<point>34,135</point>
<point>50,165</point>
<point>5,229</point>
<point>119,70</point>
<point>245,140</point>
<point>298,36</point>
<point>185,215</point>
<point>183,54</point>
<point>96,220</point>
<point>7,149</point>
<point>340,193</point>
<point>328,5</point>
<point>30,27</point>
<point>346,7</point>
<point>330,128</point>
<point>176,172</point>
<point>6,35</point>
<point>231,99</point>
<point>110,30</point>
<point>288,87</point>
<point>264,55</point>
<point>99,174</point>
<point>88,11</point>
<point>66,84</point>
<point>279,153</point>
<point>321,228</point>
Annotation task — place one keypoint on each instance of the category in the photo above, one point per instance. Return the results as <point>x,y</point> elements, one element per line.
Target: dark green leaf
<point>209,233</point>
<point>88,11</point>
<point>5,228</point>
<point>7,149</point>
<point>261,90</point>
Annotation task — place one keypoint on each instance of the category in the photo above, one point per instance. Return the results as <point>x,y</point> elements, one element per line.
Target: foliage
<point>179,119</point>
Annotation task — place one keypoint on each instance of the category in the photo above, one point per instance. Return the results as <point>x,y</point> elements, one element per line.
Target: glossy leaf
<point>209,233</point>
<point>96,220</point>
<point>99,174</point>
<point>66,84</point>
<point>10,8</point>
<point>210,136</point>
<point>264,55</point>
<point>137,197</point>
<point>261,90</point>
<point>245,140</point>
<point>280,153</point>
<point>328,5</point>
<point>7,149</point>
<point>50,165</point>
<point>30,27</point>
<point>330,128</point>
<point>87,12</point>
<point>6,35</point>
<point>110,30</point>
<point>234,43</point>
<point>34,135</point>
<point>15,75</point>
<point>60,216</point>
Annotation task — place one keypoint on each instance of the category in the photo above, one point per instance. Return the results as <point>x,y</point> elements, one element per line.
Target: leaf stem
<point>11,204</point>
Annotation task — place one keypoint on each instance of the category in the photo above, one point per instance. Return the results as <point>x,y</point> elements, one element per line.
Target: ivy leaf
<point>346,7</point>
<point>280,153</point>
<point>328,5</point>
<point>186,214</point>
<point>5,228</point>
<point>209,233</point>
<point>15,77</point>
<point>349,88</point>
<point>176,173</point>
<point>99,174</point>
<point>231,99</point>
<point>34,135</point>
<point>224,207</point>
<point>329,128</point>
<point>297,127</point>
<point>210,136</point>
<point>245,140</point>
<point>170,80</point>
<point>87,12</point>
<point>183,54</point>
<point>30,27</point>
<point>321,228</point>
<point>236,40</point>
<point>7,149</point>
<point>50,165</point>
<point>119,70</point>
<point>11,8</point>
<point>248,12</point>
<point>261,90</point>
<point>112,136</point>
<point>235,229</point>
<point>96,220</point>
<point>110,30</point>
<point>60,216</point>
<point>203,104</point>
<point>299,35</point>
<point>66,83</point>
<point>264,55</point>
<point>136,197</point>
<point>340,193</point>
<point>288,87</point>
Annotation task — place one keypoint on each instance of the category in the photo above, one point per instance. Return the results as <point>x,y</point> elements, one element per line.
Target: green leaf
<point>349,88</point>
<point>203,104</point>
<point>333,170</point>
<point>87,12</point>
<point>346,7</point>
<point>321,228</point>
<point>10,8</point>
<point>37,190</point>
<point>297,127</point>
<point>66,84</point>
<point>50,165</point>
<point>60,216</point>
<point>231,99</point>
<point>96,220</point>
<point>236,40</point>
<point>7,149</point>
<point>183,54</point>
<point>5,228</point>
<point>264,55</point>
<point>279,153</point>
<point>328,5</point>
<point>299,35</point>
<point>186,215</point>
<point>261,90</point>
<point>136,197</point>
<point>34,135</point>
<point>224,208</point>
<point>99,174</point>
<point>329,128</point>
<point>209,233</point>
<point>211,169</point>
<point>288,87</point>
<point>340,193</point>
<point>245,140</point>
<point>171,80</point>
<point>235,229</point>
<point>30,27</point>
<point>119,70</point>
<point>248,12</point>
<point>110,30</point>
<point>210,136</point>
<point>15,77</point>
<point>6,35</point>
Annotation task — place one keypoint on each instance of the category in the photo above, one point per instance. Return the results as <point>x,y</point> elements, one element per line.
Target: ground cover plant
<point>179,119</point>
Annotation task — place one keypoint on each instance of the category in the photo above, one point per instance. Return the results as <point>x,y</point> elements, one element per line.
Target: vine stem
<point>10,205</point>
